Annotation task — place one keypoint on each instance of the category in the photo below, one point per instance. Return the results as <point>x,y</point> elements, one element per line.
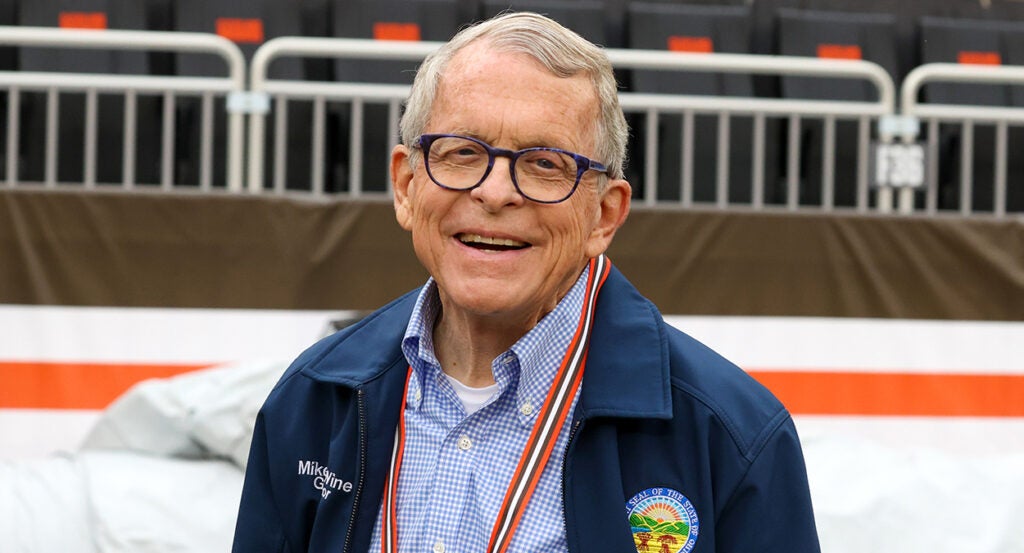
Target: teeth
<point>476,238</point>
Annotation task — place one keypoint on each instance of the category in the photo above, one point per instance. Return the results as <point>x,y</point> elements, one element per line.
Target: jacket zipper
<point>565,462</point>
<point>362,469</point>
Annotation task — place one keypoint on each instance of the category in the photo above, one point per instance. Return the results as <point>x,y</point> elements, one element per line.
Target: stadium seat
<point>906,16</point>
<point>428,20</point>
<point>113,14</point>
<point>249,25</point>
<point>586,17</point>
<point>984,42</point>
<point>698,28</point>
<point>841,35</point>
<point>970,41</point>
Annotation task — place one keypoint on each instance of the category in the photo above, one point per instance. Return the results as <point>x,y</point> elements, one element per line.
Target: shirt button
<point>464,444</point>
<point>418,395</point>
<point>526,408</point>
<point>438,546</point>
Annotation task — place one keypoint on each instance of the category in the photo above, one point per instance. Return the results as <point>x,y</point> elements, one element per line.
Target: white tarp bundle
<point>161,471</point>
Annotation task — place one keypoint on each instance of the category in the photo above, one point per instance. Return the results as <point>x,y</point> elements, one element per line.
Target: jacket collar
<point>627,372</point>
<point>364,351</point>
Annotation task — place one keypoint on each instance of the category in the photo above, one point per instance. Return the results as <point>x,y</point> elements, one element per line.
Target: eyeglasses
<point>544,175</point>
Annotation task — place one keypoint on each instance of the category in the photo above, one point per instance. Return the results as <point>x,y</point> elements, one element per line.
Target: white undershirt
<point>472,398</point>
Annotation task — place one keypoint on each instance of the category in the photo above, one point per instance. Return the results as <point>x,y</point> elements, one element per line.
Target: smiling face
<point>495,255</point>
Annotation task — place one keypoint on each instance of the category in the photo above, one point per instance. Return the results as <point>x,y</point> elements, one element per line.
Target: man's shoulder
<point>704,379</point>
<point>632,333</point>
<point>359,351</point>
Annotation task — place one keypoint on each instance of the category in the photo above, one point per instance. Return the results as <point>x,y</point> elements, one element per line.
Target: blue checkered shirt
<point>456,468</point>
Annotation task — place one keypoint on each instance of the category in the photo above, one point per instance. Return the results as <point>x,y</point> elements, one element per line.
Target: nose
<point>497,190</point>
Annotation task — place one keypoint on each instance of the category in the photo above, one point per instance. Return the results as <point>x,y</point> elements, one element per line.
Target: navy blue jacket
<point>657,409</point>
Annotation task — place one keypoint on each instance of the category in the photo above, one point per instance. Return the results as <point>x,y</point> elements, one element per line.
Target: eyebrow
<point>519,145</point>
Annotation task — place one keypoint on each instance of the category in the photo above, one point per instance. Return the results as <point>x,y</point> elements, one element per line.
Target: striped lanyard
<point>542,439</point>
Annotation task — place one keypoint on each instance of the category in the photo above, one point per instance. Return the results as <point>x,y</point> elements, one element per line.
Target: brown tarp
<point>65,247</point>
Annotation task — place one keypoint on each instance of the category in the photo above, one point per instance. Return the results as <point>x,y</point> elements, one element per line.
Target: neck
<point>467,342</point>
<point>466,348</point>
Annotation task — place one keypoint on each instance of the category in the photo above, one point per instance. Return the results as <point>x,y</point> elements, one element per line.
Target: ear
<point>611,214</point>
<point>402,185</point>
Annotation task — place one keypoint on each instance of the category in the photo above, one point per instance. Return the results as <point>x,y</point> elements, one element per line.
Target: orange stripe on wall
<point>62,385</point>
<point>896,394</point>
<point>40,385</point>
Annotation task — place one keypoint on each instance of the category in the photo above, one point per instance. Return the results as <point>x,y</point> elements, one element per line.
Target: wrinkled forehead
<point>483,67</point>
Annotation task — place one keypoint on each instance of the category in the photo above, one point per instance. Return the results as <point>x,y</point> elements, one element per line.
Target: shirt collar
<point>418,343</point>
<point>541,350</point>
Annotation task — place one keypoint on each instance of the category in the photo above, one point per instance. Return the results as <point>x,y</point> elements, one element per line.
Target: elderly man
<point>527,398</point>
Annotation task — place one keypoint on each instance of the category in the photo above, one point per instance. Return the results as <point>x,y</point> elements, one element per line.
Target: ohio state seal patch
<point>663,521</point>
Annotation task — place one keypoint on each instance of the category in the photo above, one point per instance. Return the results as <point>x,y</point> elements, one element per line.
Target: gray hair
<point>560,50</point>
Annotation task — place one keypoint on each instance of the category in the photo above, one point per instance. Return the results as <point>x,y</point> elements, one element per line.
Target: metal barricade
<point>652,105</point>
<point>17,82</point>
<point>282,91</point>
<point>759,108</point>
<point>967,116</point>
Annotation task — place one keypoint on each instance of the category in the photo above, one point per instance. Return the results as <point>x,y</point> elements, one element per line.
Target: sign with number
<point>897,165</point>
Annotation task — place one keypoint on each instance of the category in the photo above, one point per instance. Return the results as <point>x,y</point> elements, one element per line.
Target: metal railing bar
<point>235,151</point>
<point>793,164</point>
<point>757,161</point>
<point>52,128</point>
<point>167,143</point>
<point>82,82</point>
<point>999,194</point>
<point>308,90</point>
<point>280,128</point>
<point>394,117</point>
<point>176,41</point>
<point>687,158</point>
<point>954,72</point>
<point>863,145</point>
<point>828,164</point>
<point>635,101</point>
<point>313,47</point>
<point>13,127</point>
<point>966,166</point>
<point>127,147</point>
<point>722,162</point>
<point>931,200</point>
<point>206,143</point>
<point>758,64</point>
<point>91,128</point>
<point>650,191</point>
<point>978,114</point>
<point>319,115</point>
